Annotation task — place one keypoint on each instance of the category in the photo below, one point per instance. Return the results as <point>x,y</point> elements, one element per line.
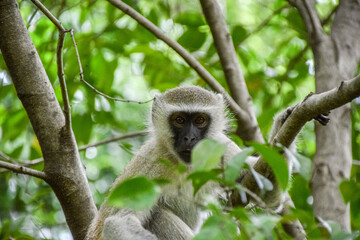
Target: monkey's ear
<point>156,96</point>
<point>220,96</point>
<point>156,102</point>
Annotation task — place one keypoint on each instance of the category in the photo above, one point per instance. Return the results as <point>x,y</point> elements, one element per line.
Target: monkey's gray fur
<point>174,217</point>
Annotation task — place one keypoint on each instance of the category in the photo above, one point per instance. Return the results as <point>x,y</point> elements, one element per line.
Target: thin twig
<point>303,112</point>
<point>263,23</point>
<point>49,15</point>
<point>114,139</point>
<point>62,81</point>
<point>314,19</point>
<point>62,32</point>
<point>202,72</point>
<point>23,170</point>
<point>310,18</point>
<point>327,19</point>
<point>300,54</point>
<point>106,141</point>
<point>92,87</point>
<point>31,18</point>
<point>59,60</point>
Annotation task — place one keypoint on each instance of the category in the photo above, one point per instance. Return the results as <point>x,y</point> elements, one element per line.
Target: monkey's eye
<point>199,120</point>
<point>180,120</point>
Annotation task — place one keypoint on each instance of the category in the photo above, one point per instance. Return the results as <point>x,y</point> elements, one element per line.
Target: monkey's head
<point>183,116</point>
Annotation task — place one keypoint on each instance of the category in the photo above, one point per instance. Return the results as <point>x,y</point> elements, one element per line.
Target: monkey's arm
<point>176,229</point>
<point>126,226</point>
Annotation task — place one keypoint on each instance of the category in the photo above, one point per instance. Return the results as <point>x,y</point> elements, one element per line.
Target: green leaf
<point>305,166</point>
<point>217,227</point>
<point>277,163</point>
<point>350,190</point>
<point>240,213</point>
<point>193,19</point>
<point>200,178</point>
<point>137,193</point>
<point>238,34</point>
<point>235,165</point>
<point>207,155</point>
<point>192,39</point>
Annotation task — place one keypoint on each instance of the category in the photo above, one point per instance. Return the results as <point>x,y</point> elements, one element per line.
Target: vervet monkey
<point>180,118</point>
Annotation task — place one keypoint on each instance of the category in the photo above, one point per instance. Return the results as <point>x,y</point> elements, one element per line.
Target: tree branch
<point>23,170</point>
<point>315,104</point>
<point>240,114</point>
<point>59,60</point>
<point>92,87</point>
<point>304,111</point>
<point>114,139</point>
<point>248,130</point>
<point>312,21</point>
<point>63,168</point>
<point>28,163</point>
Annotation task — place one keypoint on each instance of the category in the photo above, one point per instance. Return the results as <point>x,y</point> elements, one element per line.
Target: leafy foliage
<point>124,60</point>
<point>277,163</point>
<point>137,193</point>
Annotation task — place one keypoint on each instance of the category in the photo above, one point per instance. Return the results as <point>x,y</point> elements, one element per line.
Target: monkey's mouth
<point>186,152</point>
<point>186,155</point>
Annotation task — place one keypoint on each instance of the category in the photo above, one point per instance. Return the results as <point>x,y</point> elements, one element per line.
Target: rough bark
<point>241,114</point>
<point>63,169</point>
<point>336,59</point>
<point>249,130</point>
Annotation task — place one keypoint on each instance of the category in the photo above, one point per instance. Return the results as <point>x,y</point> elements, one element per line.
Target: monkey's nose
<point>189,140</point>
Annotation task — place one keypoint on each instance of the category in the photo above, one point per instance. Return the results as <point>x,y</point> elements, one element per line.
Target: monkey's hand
<point>124,228</point>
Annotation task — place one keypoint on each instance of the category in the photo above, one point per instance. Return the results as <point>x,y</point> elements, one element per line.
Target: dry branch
<point>91,86</point>
<point>306,110</point>
<point>23,170</point>
<point>203,73</point>
<point>248,130</point>
<point>82,148</point>
<point>63,168</point>
<point>312,21</point>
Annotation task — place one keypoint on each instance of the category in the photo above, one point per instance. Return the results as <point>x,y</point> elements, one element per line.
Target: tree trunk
<point>336,58</point>
<point>63,168</point>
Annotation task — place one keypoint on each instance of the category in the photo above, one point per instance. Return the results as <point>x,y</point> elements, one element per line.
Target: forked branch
<point>241,114</point>
<point>312,106</point>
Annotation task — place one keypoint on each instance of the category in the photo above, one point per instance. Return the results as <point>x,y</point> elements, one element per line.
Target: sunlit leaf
<point>350,190</point>
<point>235,165</point>
<point>277,163</point>
<point>217,227</point>
<point>137,193</point>
<point>207,155</point>
<point>200,178</point>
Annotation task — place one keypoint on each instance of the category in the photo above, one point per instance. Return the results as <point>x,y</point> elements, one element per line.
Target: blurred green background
<point>124,60</point>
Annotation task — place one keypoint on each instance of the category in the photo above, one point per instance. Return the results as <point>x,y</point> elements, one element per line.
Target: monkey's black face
<point>188,129</point>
